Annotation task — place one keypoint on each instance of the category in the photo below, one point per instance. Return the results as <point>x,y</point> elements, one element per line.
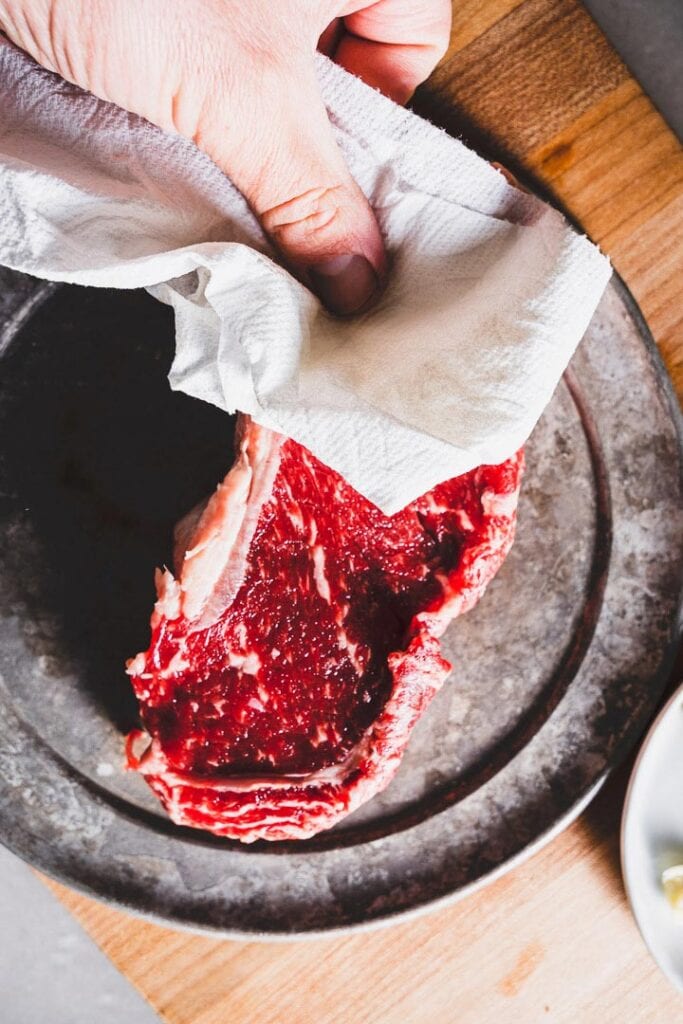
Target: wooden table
<point>534,83</point>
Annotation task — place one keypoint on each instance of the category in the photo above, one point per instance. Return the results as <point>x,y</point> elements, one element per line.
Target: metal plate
<point>556,671</point>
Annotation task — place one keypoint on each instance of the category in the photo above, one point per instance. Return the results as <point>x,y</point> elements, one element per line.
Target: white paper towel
<point>489,294</point>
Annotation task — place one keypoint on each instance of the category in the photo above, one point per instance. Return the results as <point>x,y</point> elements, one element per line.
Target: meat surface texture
<point>298,643</point>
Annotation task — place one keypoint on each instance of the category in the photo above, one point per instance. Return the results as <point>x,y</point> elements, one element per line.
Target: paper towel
<point>490,289</point>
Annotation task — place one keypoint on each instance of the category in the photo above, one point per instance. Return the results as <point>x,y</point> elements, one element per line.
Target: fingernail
<point>345,283</point>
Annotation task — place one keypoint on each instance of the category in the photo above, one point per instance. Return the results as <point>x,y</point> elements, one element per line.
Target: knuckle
<point>443,42</point>
<point>440,29</point>
<point>312,220</point>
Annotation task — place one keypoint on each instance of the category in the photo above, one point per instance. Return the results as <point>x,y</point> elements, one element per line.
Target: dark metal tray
<point>556,671</point>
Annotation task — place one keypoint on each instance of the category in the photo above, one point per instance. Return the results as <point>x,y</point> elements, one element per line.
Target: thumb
<point>290,170</point>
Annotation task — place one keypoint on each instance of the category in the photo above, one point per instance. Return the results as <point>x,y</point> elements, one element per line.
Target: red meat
<point>298,645</point>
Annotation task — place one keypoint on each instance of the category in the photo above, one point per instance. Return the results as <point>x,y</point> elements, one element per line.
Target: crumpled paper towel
<point>489,294</point>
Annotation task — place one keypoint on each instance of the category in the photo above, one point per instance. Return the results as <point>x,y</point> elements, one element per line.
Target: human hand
<point>239,79</point>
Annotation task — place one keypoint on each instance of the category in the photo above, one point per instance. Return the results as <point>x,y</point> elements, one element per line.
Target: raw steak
<point>297,646</point>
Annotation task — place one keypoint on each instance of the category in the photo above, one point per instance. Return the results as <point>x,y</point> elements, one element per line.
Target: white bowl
<point>652,836</point>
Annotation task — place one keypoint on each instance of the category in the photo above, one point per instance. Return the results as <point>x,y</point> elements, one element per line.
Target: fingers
<point>288,166</point>
<point>394,45</point>
<point>240,81</point>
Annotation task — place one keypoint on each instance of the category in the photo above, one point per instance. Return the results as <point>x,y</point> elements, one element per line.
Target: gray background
<point>649,36</point>
<point>50,971</point>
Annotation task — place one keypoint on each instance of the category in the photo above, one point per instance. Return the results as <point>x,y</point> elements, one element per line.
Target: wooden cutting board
<point>535,84</point>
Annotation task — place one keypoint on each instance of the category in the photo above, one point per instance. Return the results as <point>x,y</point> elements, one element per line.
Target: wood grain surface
<point>535,84</point>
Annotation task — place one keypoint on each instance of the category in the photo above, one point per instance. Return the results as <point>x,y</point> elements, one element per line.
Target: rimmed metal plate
<point>555,672</point>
